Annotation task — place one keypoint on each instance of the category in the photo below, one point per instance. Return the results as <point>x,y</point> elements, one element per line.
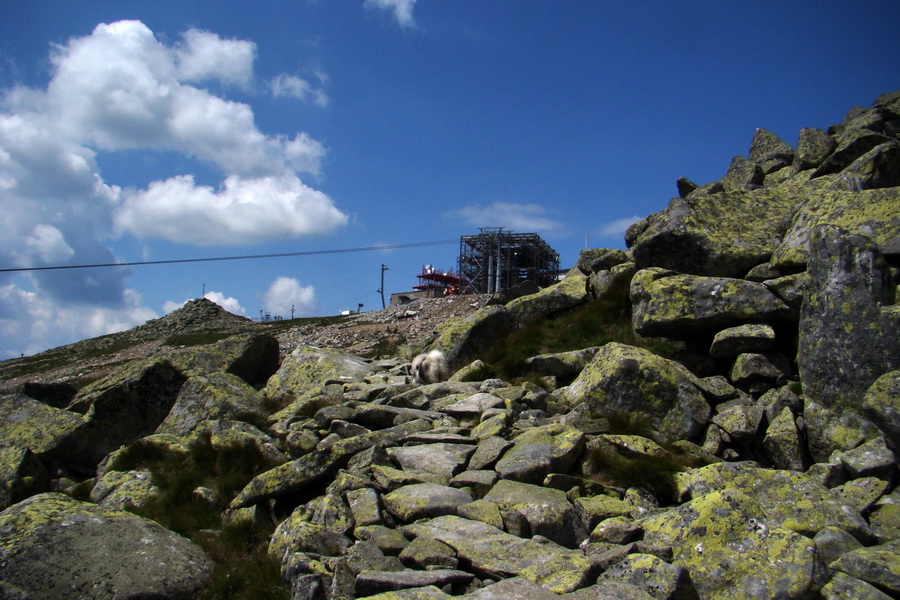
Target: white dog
<point>430,367</point>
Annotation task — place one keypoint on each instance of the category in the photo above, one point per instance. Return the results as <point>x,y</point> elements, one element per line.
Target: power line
<point>224,258</point>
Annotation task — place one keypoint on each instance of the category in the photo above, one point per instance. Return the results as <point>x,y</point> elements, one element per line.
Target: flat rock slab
<point>53,546</point>
<point>443,460</point>
<point>374,582</point>
<point>498,555</point>
<point>548,511</point>
<point>424,500</point>
<point>540,451</point>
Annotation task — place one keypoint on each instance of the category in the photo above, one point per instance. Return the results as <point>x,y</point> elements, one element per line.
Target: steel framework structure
<point>496,260</point>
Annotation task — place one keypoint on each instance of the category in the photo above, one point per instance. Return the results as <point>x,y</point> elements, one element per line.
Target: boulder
<point>461,340</point>
<point>813,147</point>
<point>652,575</point>
<point>671,305</point>
<point>706,533</point>
<point>707,234</point>
<point>877,565</point>
<point>770,152</point>
<point>52,546</point>
<point>568,293</point>
<point>48,433</point>
<point>842,586</point>
<point>373,582</point>
<point>869,212</point>
<point>742,174</point>
<point>494,554</point>
<point>128,404</point>
<point>783,442</point>
<point>22,475</point>
<point>443,460</point>
<point>547,511</point>
<point>881,406</point>
<point>754,337</point>
<point>251,356</point>
<point>538,451</point>
<point>562,365</point>
<point>218,396</point>
<point>847,338</point>
<point>600,259</point>
<point>788,499</point>
<point>424,500</point>
<point>308,368</point>
<point>630,379</point>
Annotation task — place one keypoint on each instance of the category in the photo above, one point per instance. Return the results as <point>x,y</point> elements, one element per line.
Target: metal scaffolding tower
<point>496,260</point>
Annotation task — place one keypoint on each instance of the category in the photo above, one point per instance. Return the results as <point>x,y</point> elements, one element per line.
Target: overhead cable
<point>224,258</point>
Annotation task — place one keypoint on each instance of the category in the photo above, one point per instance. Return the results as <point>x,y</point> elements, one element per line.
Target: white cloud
<point>402,9</point>
<point>511,215</point>
<point>121,88</point>
<point>619,226</point>
<point>227,302</point>
<point>285,293</point>
<point>291,86</point>
<point>242,212</point>
<point>32,322</point>
<point>205,55</point>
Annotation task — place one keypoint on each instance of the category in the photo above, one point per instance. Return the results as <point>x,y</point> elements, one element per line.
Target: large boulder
<point>625,378</point>
<point>570,292</point>
<point>52,546</point>
<point>462,340</point>
<point>495,554</point>
<point>307,369</point>
<point>251,356</point>
<point>732,550</point>
<point>848,338</point>
<point>212,397</point>
<point>539,451</point>
<point>128,404</point>
<point>672,305</point>
<point>48,433</point>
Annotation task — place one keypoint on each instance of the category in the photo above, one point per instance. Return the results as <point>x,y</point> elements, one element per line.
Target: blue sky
<point>135,131</point>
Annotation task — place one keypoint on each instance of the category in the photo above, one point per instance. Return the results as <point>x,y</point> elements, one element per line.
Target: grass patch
<point>243,569</point>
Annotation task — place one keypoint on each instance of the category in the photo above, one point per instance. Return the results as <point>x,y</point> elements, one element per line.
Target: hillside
<point>713,414</point>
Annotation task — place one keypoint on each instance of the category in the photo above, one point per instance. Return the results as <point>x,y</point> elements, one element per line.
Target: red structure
<point>434,282</point>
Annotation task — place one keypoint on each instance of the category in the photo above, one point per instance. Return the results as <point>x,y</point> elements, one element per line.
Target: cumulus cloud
<point>511,215</point>
<point>227,302</point>
<point>286,293</point>
<point>241,212</point>
<point>120,88</point>
<point>291,86</point>
<point>619,226</point>
<point>401,9</point>
<point>36,321</point>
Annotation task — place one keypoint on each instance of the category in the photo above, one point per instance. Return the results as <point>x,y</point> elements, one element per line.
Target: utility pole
<point>292,312</point>
<point>381,289</point>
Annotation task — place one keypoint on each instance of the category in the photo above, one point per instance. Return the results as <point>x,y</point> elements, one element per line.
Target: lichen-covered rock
<point>424,500</point>
<point>547,511</point>
<point>813,147</point>
<point>47,432</point>
<point>706,533</point>
<point>495,554</point>
<point>539,451</point>
<point>753,337</point>
<point>771,367</point>
<point>129,403</point>
<point>313,468</point>
<point>461,340</point>
<point>307,369</point>
<point>848,338</point>
<point>881,405</point>
<point>626,378</point>
<point>569,293</point>
<point>740,421</point>
<point>707,234</point>
<point>788,499</point>
<point>212,397</point>
<point>869,212</point>
<point>672,305</point>
<point>52,546</point>
<point>842,586</point>
<point>878,565</point>
<point>298,534</point>
<point>561,365</point>
<point>124,490</point>
<point>653,575</point>
<point>783,442</point>
<point>251,356</point>
<point>600,259</point>
<point>22,475</point>
<point>443,460</point>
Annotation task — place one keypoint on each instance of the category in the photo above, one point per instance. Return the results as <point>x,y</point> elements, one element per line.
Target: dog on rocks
<point>430,367</point>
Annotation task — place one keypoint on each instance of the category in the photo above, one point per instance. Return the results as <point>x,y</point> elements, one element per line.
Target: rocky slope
<point>755,458</point>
